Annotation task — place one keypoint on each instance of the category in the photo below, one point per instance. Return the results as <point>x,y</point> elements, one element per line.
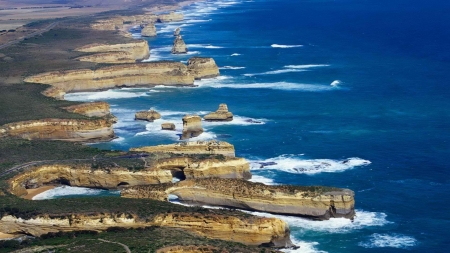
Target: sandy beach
<point>4,236</point>
<point>34,192</point>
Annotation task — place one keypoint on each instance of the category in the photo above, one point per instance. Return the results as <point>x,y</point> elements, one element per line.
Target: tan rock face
<point>320,203</point>
<point>149,30</point>
<point>168,126</point>
<point>190,249</point>
<point>110,57</point>
<point>61,129</point>
<point>144,74</point>
<point>171,17</point>
<point>139,49</point>
<point>108,24</point>
<point>192,126</point>
<point>201,67</point>
<point>222,114</point>
<point>147,115</point>
<point>177,31</point>
<point>94,109</point>
<point>179,47</point>
<point>192,147</point>
<point>251,231</point>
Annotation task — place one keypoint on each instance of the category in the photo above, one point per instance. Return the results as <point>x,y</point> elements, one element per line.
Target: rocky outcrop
<point>247,230</point>
<point>168,126</point>
<point>130,75</point>
<point>150,115</point>
<point>179,47</point>
<point>222,114</point>
<point>314,202</point>
<point>94,109</point>
<point>192,147</point>
<point>139,49</point>
<point>108,24</point>
<point>61,129</point>
<point>192,126</point>
<point>84,175</point>
<point>201,67</point>
<point>171,17</point>
<point>190,249</point>
<point>149,30</point>
<point>177,31</point>
<point>110,57</point>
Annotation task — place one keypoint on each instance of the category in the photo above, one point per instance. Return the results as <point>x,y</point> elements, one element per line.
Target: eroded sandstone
<point>179,47</point>
<point>109,57</point>
<point>222,114</point>
<point>94,109</point>
<point>170,17</point>
<point>149,30</point>
<point>192,126</point>
<point>139,49</point>
<point>203,67</point>
<point>150,115</point>
<point>192,147</point>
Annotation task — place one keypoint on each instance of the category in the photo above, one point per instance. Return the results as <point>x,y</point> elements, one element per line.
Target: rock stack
<point>168,126</point>
<point>179,47</point>
<point>222,114</point>
<point>150,115</point>
<point>149,30</point>
<point>177,32</point>
<point>192,126</point>
<point>201,67</point>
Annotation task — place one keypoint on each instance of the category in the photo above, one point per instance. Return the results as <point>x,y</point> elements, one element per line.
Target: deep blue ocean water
<point>345,93</point>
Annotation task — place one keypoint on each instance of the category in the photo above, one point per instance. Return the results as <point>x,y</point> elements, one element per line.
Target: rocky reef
<point>109,57</point>
<point>150,115</point>
<point>202,67</point>
<point>192,126</point>
<point>192,147</point>
<point>179,47</point>
<point>316,202</point>
<point>130,75</point>
<point>94,109</point>
<point>222,114</point>
<point>170,17</point>
<point>138,49</point>
<point>168,126</point>
<point>61,129</point>
<point>149,30</point>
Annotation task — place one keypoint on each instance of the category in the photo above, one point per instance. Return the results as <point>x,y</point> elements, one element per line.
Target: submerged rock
<point>202,67</point>
<point>179,47</point>
<point>222,114</point>
<point>147,115</point>
<point>149,30</point>
<point>192,126</point>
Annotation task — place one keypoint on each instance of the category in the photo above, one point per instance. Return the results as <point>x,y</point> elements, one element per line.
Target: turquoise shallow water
<point>381,129</point>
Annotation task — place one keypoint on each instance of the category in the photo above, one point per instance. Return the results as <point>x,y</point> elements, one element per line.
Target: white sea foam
<point>305,247</point>
<point>289,69</point>
<point>231,67</point>
<point>298,165</point>
<point>285,46</point>
<point>68,190</point>
<point>261,179</point>
<point>335,83</point>
<point>208,46</point>
<point>237,120</point>
<point>214,83</point>
<point>389,241</point>
<point>235,54</point>
<point>99,95</point>
<point>306,66</point>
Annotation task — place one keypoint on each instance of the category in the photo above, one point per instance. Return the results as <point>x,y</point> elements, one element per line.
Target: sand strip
<point>4,236</point>
<point>36,191</point>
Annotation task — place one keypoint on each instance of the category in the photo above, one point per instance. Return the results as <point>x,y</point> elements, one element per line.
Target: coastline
<point>31,193</point>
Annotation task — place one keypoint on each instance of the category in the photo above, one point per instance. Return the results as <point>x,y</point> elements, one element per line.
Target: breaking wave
<point>389,241</point>
<point>99,95</point>
<point>64,191</point>
<point>285,46</point>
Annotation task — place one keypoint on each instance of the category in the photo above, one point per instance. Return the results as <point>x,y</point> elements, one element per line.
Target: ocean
<point>345,93</point>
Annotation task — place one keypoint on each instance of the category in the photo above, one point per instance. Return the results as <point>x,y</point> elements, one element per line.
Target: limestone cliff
<point>108,24</point>
<point>179,47</point>
<point>84,175</point>
<point>109,57</point>
<point>201,67</point>
<point>222,114</point>
<point>192,147</point>
<point>139,49</point>
<point>150,115</point>
<point>94,109</point>
<point>192,126</point>
<point>61,129</point>
<point>149,30</point>
<point>139,74</point>
<point>247,230</point>
<point>171,17</point>
<point>314,202</point>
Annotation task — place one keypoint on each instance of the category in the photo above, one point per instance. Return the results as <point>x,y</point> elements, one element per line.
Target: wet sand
<point>34,192</point>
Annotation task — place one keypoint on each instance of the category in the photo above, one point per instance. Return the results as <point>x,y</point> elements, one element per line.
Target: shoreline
<point>31,193</point>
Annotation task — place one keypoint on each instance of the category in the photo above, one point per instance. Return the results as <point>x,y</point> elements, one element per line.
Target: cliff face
<point>251,231</point>
<point>313,202</point>
<point>190,249</point>
<point>201,67</point>
<point>108,24</point>
<point>85,176</point>
<point>222,114</point>
<point>192,147</point>
<point>110,57</point>
<point>192,126</point>
<point>94,109</point>
<point>60,129</point>
<point>149,30</point>
<point>179,47</point>
<point>171,17</point>
<point>152,73</point>
<point>138,49</point>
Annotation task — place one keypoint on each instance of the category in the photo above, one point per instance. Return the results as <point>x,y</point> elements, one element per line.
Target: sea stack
<point>177,31</point>
<point>179,47</point>
<point>192,126</point>
<point>222,114</point>
<point>150,115</point>
<point>149,30</point>
<point>168,126</point>
<point>202,67</point>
